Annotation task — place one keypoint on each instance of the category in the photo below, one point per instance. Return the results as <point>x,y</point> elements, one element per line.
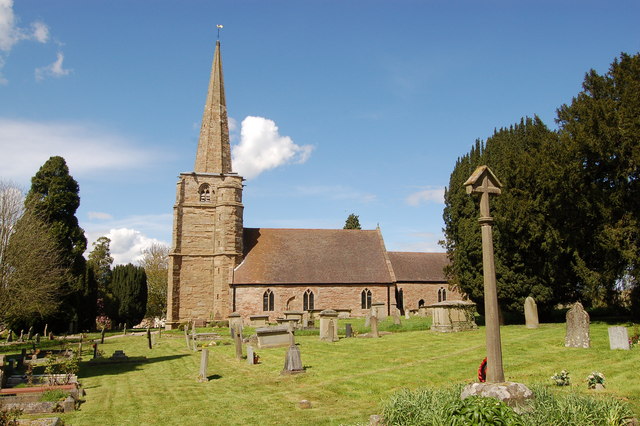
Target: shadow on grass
<point>214,377</point>
<point>91,370</point>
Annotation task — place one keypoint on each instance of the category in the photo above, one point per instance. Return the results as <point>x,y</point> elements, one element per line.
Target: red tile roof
<point>419,267</point>
<point>312,256</point>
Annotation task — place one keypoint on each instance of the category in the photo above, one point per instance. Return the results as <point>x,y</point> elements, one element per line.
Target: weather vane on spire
<point>219,28</point>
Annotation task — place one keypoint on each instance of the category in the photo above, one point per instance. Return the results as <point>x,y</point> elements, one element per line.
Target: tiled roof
<point>418,267</point>
<point>312,256</point>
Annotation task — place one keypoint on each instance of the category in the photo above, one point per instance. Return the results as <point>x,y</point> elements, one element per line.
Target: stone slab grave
<point>343,313</point>
<point>577,328</point>
<point>290,323</point>
<point>259,320</point>
<point>453,316</point>
<point>294,315</point>
<point>273,337</point>
<point>531,313</point>
<point>618,338</point>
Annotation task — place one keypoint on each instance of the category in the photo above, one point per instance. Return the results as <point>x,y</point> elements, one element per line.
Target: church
<point>216,266</point>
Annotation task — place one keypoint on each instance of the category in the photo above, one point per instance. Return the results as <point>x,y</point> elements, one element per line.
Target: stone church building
<point>216,266</point>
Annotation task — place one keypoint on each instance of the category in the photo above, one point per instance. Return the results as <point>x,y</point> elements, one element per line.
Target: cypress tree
<point>129,294</point>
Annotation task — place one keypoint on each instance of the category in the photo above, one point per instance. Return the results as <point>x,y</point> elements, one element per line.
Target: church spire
<point>214,151</point>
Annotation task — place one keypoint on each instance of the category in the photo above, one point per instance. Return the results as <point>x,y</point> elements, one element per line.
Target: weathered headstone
<point>348,330</point>
<point>237,339</point>
<point>37,338</point>
<point>186,336</point>
<point>619,338</point>
<point>250,355</point>
<point>51,337</point>
<point>406,314</point>
<point>235,322</point>
<point>396,316</point>
<point>30,333</point>
<point>577,327</point>
<point>531,313</point>
<point>95,350</point>
<point>367,319</point>
<point>194,340</point>
<point>329,325</point>
<point>149,338</point>
<point>292,361</point>
<point>21,338</point>
<point>204,362</point>
<point>44,333</point>
<point>102,336</point>
<point>10,336</point>
<point>374,327</point>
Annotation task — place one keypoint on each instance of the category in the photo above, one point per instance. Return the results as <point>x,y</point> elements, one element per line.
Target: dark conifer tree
<point>129,294</point>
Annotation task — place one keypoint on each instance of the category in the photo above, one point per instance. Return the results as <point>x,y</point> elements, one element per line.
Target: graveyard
<point>344,382</point>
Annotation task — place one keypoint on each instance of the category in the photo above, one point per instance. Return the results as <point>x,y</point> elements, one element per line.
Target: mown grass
<point>346,381</point>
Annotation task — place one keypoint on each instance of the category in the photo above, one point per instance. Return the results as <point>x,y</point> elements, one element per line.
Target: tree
<point>155,261</point>
<point>54,198</point>
<point>527,246</point>
<point>31,275</point>
<point>129,292</point>
<point>353,222</point>
<point>600,130</point>
<point>99,263</point>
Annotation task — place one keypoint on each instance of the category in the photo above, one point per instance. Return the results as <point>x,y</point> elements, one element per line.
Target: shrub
<point>440,407</point>
<point>10,417</point>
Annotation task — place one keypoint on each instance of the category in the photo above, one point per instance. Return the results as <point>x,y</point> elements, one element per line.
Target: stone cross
<point>482,181</point>
<point>531,313</point>
<point>577,328</point>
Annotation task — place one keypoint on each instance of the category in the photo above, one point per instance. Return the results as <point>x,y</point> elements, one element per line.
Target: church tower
<point>207,219</point>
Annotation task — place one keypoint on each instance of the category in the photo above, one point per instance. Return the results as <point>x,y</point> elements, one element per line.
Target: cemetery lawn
<point>345,381</point>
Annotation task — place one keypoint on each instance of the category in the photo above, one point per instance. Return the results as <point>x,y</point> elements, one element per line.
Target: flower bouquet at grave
<point>562,378</point>
<point>594,379</point>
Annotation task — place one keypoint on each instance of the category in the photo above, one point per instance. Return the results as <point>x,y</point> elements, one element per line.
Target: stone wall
<point>290,297</point>
<point>412,293</point>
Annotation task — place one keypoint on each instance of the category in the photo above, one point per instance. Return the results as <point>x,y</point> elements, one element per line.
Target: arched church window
<point>307,301</point>
<point>442,294</point>
<point>421,303</point>
<point>205,193</point>
<point>267,301</point>
<point>365,299</point>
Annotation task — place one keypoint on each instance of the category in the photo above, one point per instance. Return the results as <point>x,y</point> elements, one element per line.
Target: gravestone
<point>102,336</point>
<point>618,338</point>
<point>95,350</point>
<point>348,330</point>
<point>149,338</point>
<point>531,313</point>
<point>235,322</point>
<point>21,338</point>
<point>292,361</point>
<point>577,327</point>
<point>186,336</point>
<point>10,336</point>
<point>396,316</point>
<point>37,338</point>
<point>30,333</point>
<point>379,309</point>
<point>250,355</point>
<point>272,337</point>
<point>367,319</point>
<point>374,327</point>
<point>44,333</point>
<point>406,314</point>
<point>204,362</point>
<point>329,325</point>
<point>51,335</point>
<point>237,339</point>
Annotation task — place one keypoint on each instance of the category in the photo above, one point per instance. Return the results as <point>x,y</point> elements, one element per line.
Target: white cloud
<point>26,145</point>
<point>422,242</point>
<point>55,69</point>
<point>433,195</point>
<point>10,33</point>
<point>40,31</point>
<point>127,245</point>
<point>262,148</point>
<point>99,216</point>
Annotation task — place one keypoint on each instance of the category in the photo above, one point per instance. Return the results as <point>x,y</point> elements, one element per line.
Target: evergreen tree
<point>600,131</point>
<point>54,198</point>
<point>129,292</point>
<point>353,222</point>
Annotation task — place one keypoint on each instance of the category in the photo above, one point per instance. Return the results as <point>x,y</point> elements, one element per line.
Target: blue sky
<point>373,100</point>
